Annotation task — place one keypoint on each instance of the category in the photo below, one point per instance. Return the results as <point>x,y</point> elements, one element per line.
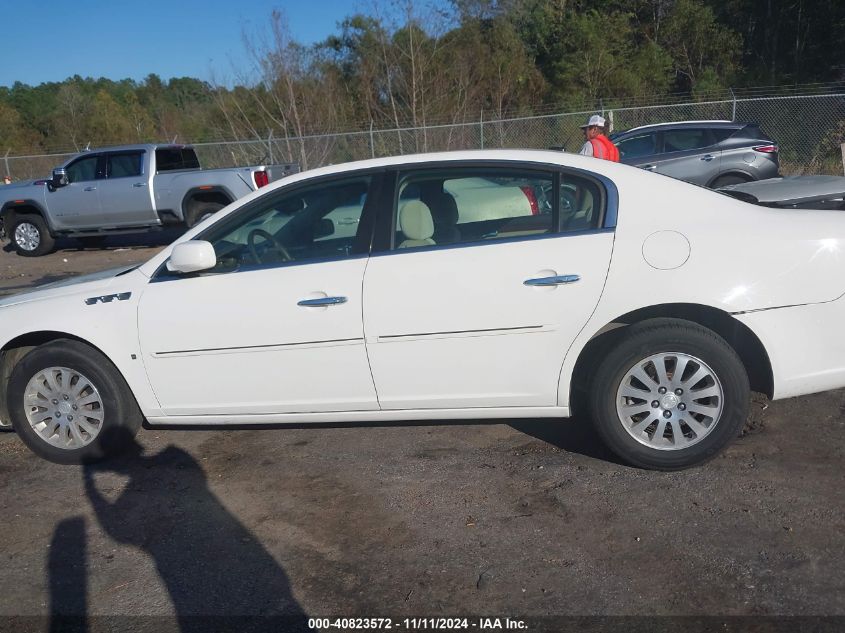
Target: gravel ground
<point>529,518</point>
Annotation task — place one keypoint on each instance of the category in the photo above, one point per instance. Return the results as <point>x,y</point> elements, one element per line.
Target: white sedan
<point>651,304</point>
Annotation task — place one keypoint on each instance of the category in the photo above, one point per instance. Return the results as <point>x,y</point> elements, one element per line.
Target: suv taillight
<point>261,178</point>
<point>766,149</point>
<point>532,200</point>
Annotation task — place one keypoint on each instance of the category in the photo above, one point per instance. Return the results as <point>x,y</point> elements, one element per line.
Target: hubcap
<point>63,407</point>
<point>669,401</point>
<point>27,236</point>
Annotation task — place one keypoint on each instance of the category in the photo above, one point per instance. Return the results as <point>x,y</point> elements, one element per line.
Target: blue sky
<point>50,40</point>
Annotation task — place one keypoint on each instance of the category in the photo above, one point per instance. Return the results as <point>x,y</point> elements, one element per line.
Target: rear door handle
<point>707,157</point>
<point>649,167</point>
<point>322,301</point>
<point>557,280</point>
<point>90,189</point>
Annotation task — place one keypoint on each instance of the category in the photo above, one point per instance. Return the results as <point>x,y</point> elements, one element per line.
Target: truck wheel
<point>69,404</point>
<point>197,213</point>
<point>671,394</point>
<point>31,236</point>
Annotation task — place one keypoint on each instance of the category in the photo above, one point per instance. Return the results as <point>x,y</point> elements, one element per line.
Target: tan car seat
<point>416,224</point>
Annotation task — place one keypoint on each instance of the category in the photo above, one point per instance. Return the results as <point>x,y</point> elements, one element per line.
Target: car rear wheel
<point>31,236</point>
<point>670,395</point>
<point>69,404</point>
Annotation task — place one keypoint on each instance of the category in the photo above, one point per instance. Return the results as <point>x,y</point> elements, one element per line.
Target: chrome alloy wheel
<point>670,401</point>
<point>63,407</point>
<point>27,236</point>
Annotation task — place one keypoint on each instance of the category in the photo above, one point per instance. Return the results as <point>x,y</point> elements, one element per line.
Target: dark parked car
<point>793,192</point>
<point>708,153</point>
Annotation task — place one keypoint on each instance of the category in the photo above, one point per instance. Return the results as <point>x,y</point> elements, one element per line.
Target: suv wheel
<point>729,179</point>
<point>670,395</point>
<point>30,235</point>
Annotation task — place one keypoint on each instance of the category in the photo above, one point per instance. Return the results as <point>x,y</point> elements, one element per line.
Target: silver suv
<point>708,153</point>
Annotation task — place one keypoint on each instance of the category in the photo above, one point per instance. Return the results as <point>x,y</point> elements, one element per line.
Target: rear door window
<point>686,139</point>
<point>457,206</point>
<point>125,165</point>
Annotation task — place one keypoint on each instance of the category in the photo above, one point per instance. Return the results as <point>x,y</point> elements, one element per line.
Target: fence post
<point>270,146</point>
<point>481,126</point>
<point>733,110</point>
<point>372,141</point>
<point>601,103</point>
<point>841,148</point>
<point>6,160</point>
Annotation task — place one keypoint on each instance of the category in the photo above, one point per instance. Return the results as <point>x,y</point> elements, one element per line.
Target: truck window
<point>173,158</point>
<point>83,169</point>
<point>124,165</point>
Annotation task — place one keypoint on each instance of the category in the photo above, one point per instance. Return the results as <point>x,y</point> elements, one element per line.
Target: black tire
<point>729,179</point>
<point>92,241</point>
<point>33,225</point>
<point>198,213</point>
<point>121,417</point>
<point>657,336</point>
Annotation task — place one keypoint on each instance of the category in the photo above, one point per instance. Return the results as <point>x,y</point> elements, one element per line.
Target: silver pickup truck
<point>123,189</point>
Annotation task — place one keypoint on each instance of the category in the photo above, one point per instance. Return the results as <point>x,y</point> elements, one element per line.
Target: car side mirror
<point>192,256</point>
<point>59,177</point>
<point>324,228</point>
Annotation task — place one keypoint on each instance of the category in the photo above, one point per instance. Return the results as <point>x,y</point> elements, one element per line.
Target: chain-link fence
<point>808,127</point>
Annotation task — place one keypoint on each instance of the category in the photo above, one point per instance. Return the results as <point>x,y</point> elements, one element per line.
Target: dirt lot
<point>531,518</point>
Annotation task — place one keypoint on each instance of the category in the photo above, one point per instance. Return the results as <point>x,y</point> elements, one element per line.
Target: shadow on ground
<point>217,574</point>
<point>573,435</point>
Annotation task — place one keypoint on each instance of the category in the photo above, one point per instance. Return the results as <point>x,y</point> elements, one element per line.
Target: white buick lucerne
<point>499,284</point>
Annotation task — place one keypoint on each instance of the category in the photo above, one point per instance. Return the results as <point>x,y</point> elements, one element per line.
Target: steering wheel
<point>281,250</point>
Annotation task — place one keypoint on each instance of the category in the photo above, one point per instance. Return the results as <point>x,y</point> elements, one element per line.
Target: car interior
<point>294,227</point>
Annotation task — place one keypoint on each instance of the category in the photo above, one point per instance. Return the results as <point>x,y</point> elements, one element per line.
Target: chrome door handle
<point>558,280</point>
<point>345,221</point>
<point>649,167</point>
<point>322,301</point>
<point>140,184</point>
<point>90,189</point>
<point>707,157</point>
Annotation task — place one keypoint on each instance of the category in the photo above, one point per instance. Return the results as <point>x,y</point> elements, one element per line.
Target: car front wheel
<point>69,404</point>
<point>671,395</point>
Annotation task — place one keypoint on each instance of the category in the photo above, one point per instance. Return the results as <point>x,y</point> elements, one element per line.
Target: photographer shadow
<point>218,575</point>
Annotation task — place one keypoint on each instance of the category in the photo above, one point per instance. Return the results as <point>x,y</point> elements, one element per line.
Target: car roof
<point>149,147</point>
<point>714,123</point>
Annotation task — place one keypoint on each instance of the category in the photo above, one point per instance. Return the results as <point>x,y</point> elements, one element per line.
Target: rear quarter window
<point>176,158</point>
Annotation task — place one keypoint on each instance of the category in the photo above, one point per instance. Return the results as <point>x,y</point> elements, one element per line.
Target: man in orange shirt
<point>598,145</point>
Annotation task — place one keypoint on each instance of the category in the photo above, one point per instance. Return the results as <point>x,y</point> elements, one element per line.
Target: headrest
<point>415,220</point>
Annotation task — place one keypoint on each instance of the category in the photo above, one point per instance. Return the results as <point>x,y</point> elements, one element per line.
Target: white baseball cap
<point>594,120</point>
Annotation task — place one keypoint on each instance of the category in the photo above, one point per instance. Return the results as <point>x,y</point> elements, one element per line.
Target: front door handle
<point>649,167</point>
<point>557,280</point>
<point>139,184</point>
<point>90,189</point>
<point>321,302</point>
<point>707,157</point>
